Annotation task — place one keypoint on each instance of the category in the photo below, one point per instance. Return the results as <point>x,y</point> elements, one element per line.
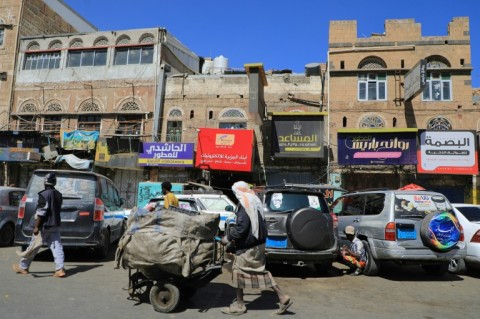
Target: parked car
<point>92,213</point>
<point>300,228</point>
<point>469,217</point>
<point>9,199</point>
<point>185,203</point>
<point>406,227</point>
<point>208,203</point>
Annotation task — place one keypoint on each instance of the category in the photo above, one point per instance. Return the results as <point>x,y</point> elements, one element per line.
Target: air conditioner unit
<point>33,156</point>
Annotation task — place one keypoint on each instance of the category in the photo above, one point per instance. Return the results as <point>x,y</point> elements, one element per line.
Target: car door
<point>115,212</point>
<point>349,210</point>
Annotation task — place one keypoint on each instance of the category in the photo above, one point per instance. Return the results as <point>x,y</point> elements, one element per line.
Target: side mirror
<point>229,208</point>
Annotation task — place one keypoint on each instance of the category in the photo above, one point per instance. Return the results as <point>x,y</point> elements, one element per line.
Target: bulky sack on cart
<point>174,240</point>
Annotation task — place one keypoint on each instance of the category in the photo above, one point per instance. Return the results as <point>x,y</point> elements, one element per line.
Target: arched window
<point>54,107</point>
<point>146,38</point>
<point>439,81</point>
<point>233,119</point>
<point>76,43</point>
<point>174,125</point>
<point>55,45</point>
<point>28,108</point>
<point>175,113</point>
<point>33,46</point>
<point>439,123</point>
<point>372,121</point>
<point>89,106</point>
<point>122,40</point>
<point>130,106</point>
<point>372,84</point>
<point>102,41</point>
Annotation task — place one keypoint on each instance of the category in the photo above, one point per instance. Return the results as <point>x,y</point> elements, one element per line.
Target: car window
<point>278,201</point>
<point>215,204</point>
<point>185,204</point>
<point>349,205</point>
<point>419,205</point>
<point>14,198</point>
<point>374,204</point>
<point>72,186</point>
<point>471,213</point>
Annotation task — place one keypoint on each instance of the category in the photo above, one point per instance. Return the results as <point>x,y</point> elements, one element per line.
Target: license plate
<point>406,233</point>
<point>276,243</point>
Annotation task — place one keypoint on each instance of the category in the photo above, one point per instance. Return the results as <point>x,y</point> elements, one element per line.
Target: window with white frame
<point>78,58</point>
<point>133,55</point>
<point>42,60</point>
<point>232,119</point>
<point>438,87</point>
<point>372,86</point>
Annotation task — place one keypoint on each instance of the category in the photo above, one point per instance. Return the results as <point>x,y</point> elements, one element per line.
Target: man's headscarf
<point>250,202</point>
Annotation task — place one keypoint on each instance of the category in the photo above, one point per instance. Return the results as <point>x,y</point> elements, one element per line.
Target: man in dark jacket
<point>47,225</point>
<point>249,236</point>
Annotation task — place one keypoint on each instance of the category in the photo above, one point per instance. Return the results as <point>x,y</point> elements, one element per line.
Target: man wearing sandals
<point>355,256</point>
<point>249,236</point>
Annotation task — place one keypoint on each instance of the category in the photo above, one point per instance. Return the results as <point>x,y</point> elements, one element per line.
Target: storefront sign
<point>15,154</point>
<point>377,147</point>
<point>225,149</point>
<point>166,154</point>
<point>297,136</point>
<point>448,152</point>
<point>79,140</point>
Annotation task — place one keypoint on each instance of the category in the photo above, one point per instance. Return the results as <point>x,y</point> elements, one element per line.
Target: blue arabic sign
<point>365,148</point>
<point>166,154</point>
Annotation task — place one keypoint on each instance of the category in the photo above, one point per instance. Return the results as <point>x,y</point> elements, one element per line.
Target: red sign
<point>225,149</point>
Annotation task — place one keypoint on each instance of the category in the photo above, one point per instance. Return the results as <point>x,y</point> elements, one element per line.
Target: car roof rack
<point>370,190</point>
<point>197,188</point>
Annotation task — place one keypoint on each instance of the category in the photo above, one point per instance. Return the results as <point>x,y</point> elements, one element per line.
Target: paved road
<point>95,290</point>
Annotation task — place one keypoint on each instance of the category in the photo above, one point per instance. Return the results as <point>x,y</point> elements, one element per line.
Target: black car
<point>91,211</point>
<point>9,199</point>
<point>301,229</point>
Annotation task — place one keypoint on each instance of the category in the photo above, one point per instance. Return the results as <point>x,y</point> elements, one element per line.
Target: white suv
<point>208,203</point>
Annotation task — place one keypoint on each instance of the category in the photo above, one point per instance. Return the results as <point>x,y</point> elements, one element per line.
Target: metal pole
<point>328,117</point>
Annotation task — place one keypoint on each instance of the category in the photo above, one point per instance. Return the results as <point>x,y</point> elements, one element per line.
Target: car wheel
<point>7,234</point>
<point>440,231</point>
<point>139,287</point>
<point>372,266</point>
<point>436,269</point>
<point>164,297</point>
<point>309,229</point>
<point>457,266</point>
<point>104,247</point>
<point>323,268</point>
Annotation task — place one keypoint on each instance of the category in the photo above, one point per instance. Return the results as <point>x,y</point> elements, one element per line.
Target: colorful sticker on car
<point>444,231</point>
<point>314,202</point>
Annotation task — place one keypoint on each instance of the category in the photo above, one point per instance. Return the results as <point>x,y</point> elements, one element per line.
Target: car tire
<point>164,297</point>
<point>323,268</point>
<point>7,235</point>
<point>433,237</point>
<point>372,266</point>
<point>104,248</point>
<point>309,229</point>
<point>457,266</point>
<point>436,269</point>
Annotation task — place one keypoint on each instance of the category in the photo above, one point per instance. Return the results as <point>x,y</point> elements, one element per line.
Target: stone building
<point>19,18</point>
<point>367,88</point>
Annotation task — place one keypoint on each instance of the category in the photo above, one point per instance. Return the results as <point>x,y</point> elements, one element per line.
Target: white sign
<point>415,80</point>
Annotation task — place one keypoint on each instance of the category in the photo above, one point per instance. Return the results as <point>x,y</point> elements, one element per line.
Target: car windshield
<point>278,201</point>
<point>215,204</point>
<point>185,204</point>
<point>71,186</point>
<point>472,213</point>
<point>419,205</point>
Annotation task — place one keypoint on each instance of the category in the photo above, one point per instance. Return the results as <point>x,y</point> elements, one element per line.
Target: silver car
<point>9,199</point>
<point>407,227</point>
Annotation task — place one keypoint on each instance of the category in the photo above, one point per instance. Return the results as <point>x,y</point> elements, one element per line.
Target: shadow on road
<point>394,272</point>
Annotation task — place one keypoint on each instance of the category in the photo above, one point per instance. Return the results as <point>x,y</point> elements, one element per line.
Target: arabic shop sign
<point>79,140</point>
<point>447,152</point>
<point>297,136</point>
<point>225,149</point>
<point>166,154</point>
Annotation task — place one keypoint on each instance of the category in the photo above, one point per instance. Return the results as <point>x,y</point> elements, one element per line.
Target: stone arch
<point>90,106</point>
<point>100,41</point>
<point>371,121</point>
<point>146,38</point>
<point>123,40</point>
<point>439,123</point>
<point>53,106</point>
<point>29,106</point>
<point>55,44</point>
<point>437,62</point>
<point>130,105</point>
<point>175,113</point>
<point>32,46</point>
<point>232,113</point>
<point>372,63</point>
<point>76,43</point>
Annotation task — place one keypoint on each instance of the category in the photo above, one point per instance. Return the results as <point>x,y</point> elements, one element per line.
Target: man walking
<point>169,198</point>
<point>47,225</point>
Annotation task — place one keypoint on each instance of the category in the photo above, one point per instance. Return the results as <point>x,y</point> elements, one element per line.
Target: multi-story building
<point>19,18</point>
<point>367,95</point>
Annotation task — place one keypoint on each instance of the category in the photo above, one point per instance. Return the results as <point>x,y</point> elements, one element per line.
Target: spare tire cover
<point>440,231</point>
<point>310,229</point>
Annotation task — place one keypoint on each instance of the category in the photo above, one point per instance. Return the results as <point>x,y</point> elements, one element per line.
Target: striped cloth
<point>248,270</point>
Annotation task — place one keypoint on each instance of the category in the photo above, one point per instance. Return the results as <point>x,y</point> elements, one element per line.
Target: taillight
<point>21,207</point>
<point>476,237</point>
<point>462,235</point>
<point>98,210</point>
<point>390,231</point>
<point>335,220</point>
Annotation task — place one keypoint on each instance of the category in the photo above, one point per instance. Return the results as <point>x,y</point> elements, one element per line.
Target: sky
<point>281,34</point>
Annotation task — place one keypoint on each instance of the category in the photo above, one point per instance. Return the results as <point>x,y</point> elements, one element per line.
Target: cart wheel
<point>164,297</point>
<point>139,287</point>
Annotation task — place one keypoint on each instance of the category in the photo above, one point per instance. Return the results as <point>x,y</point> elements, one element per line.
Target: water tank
<point>207,67</point>
<point>220,64</point>
<point>312,69</point>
